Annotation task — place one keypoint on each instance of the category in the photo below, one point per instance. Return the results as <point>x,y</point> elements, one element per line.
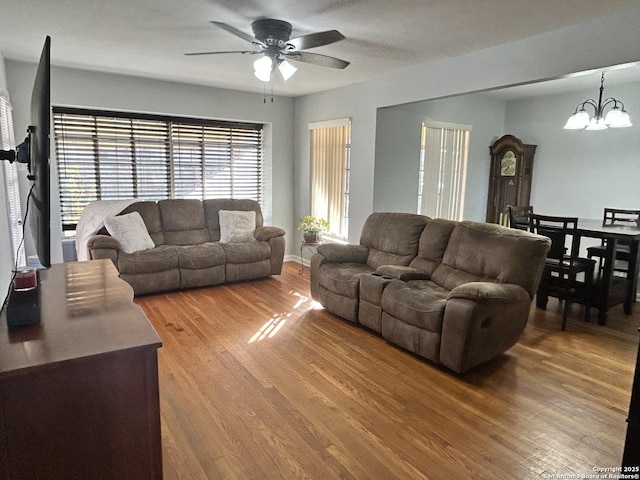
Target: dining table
<point>610,289</point>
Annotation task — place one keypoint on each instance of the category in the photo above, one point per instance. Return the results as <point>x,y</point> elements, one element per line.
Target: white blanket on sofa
<point>92,220</point>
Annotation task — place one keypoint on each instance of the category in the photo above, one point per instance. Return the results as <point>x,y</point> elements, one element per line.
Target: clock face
<point>508,164</point>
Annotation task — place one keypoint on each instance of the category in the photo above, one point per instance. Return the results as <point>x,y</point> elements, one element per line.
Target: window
<point>8,142</point>
<point>330,157</point>
<point>105,155</point>
<point>443,166</point>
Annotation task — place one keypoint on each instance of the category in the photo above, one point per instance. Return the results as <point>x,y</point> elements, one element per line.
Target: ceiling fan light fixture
<point>286,69</point>
<point>271,41</point>
<point>262,68</point>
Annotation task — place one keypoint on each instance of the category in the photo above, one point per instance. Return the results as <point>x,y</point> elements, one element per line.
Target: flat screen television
<point>39,208</point>
<point>34,151</point>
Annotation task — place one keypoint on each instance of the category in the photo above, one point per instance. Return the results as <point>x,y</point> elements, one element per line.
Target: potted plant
<point>312,228</point>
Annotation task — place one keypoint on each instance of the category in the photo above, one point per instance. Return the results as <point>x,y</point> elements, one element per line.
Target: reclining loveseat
<point>455,293</point>
<point>187,248</point>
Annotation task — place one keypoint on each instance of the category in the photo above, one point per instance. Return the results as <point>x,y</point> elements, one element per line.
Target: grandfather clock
<point>510,181</point>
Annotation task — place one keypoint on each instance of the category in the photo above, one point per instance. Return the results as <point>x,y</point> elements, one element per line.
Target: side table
<point>311,247</point>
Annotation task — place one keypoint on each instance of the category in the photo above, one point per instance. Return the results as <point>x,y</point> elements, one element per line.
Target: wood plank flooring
<point>257,382</point>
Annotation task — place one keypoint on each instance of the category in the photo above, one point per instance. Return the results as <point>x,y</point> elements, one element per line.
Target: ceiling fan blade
<point>315,40</point>
<point>236,32</point>
<point>245,52</point>
<point>316,59</point>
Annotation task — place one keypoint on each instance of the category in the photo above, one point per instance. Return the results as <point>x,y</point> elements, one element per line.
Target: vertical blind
<point>443,163</point>
<point>8,142</point>
<point>330,149</point>
<point>105,155</point>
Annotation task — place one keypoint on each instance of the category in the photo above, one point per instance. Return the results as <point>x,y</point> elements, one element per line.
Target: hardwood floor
<point>257,382</point>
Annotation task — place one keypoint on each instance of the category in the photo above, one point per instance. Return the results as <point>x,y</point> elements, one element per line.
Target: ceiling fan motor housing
<point>272,32</point>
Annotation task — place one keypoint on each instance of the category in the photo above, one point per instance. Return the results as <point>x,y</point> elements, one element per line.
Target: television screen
<point>39,206</point>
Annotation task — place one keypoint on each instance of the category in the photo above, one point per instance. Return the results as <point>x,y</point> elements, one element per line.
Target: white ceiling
<point>148,38</point>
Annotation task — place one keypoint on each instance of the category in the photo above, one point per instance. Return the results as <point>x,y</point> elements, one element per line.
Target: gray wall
<point>72,87</point>
<point>577,48</point>
<point>579,172</point>
<point>397,153</point>
<point>576,173</point>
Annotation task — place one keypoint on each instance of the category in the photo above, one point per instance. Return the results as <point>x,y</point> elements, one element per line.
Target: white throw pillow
<point>130,231</point>
<point>237,226</point>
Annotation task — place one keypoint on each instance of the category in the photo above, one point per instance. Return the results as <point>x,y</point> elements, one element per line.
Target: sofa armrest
<point>103,246</point>
<point>481,321</point>
<point>340,253</point>
<point>402,273</point>
<point>102,241</point>
<point>490,292</point>
<point>266,233</point>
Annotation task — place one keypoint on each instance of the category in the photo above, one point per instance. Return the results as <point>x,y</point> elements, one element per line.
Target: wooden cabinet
<point>79,391</point>
<point>510,180</point>
<point>631,455</point>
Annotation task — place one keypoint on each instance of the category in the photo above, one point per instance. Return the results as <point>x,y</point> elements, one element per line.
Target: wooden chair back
<point>560,230</point>
<point>519,217</point>
<point>613,216</point>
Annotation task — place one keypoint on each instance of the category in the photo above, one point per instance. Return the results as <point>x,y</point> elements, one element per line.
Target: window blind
<point>330,171</point>
<point>8,142</point>
<point>443,162</point>
<point>105,155</point>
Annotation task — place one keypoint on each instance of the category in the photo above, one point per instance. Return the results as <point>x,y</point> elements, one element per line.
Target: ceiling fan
<point>271,40</point>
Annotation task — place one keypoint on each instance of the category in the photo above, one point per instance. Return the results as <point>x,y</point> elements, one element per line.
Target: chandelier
<point>616,117</point>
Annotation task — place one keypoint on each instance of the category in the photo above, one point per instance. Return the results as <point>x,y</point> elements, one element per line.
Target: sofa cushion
<point>204,255</point>
<point>213,205</point>
<point>183,222</point>
<point>246,252</point>
<point>477,252</point>
<point>237,226</point>
<point>433,243</point>
<point>130,231</point>
<point>420,303</point>
<point>158,259</point>
<point>343,278</point>
<point>150,213</point>
<point>392,238</point>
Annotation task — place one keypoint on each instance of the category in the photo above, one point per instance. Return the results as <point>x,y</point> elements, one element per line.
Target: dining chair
<point>563,264</point>
<point>519,217</point>
<point>615,216</point>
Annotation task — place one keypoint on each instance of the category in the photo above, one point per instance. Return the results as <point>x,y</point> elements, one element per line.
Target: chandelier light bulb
<point>597,123</point>
<point>578,120</point>
<point>614,117</point>
<point>625,121</point>
<point>618,118</point>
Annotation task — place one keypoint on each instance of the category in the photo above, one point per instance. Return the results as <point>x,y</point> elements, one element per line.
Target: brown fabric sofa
<point>456,293</point>
<point>187,250</point>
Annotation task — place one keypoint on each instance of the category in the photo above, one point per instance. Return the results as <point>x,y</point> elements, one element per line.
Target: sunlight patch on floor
<point>312,304</point>
<point>271,328</point>
<point>277,321</point>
